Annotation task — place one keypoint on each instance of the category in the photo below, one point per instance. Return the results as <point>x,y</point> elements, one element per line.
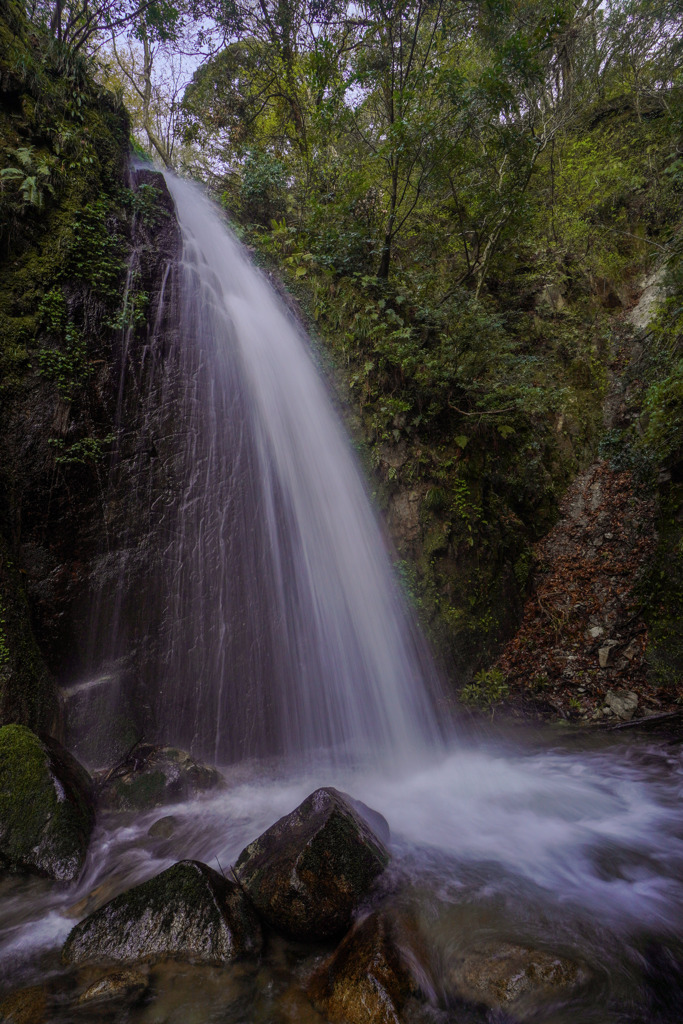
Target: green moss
<point>27,796</point>
<point>184,882</point>
<point>141,791</point>
<point>43,827</point>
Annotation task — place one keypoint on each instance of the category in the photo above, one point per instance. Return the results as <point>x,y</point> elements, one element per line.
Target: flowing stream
<point>287,656</point>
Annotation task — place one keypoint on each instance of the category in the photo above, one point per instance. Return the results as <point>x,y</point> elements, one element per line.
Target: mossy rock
<point>308,871</point>
<point>156,776</point>
<point>188,911</point>
<point>46,808</point>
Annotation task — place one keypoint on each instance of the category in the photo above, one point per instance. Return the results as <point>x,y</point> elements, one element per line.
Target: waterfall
<point>276,621</point>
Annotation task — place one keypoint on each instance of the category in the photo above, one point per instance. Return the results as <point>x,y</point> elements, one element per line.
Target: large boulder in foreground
<point>308,871</point>
<point>372,974</point>
<point>46,806</point>
<point>188,911</point>
<point>153,776</point>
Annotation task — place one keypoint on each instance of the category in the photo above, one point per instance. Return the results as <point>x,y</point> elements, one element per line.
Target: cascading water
<point>280,629</point>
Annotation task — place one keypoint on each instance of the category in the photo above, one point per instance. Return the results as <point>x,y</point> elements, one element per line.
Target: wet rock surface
<point>67,539</point>
<point>27,1006</point>
<point>308,871</point>
<point>98,716</point>
<point>188,911</point>
<point>152,776</point>
<point>502,976</point>
<point>128,985</point>
<point>371,975</point>
<point>46,806</point>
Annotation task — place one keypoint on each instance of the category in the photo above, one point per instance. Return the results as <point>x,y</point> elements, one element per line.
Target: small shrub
<point>487,689</point>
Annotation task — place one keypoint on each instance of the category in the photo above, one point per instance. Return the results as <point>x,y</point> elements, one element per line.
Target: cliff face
<point>85,243</point>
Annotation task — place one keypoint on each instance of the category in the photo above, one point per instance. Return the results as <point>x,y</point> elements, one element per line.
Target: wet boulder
<point>153,776</point>
<point>188,911</point>
<point>46,806</point>
<point>372,974</point>
<point>507,975</point>
<point>307,873</point>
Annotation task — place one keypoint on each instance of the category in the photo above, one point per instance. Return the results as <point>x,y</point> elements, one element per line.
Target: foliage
<point>74,23</point>
<point>488,689</point>
<point>263,188</point>
<point>87,451</point>
<point>144,202</point>
<point>664,407</point>
<point>95,254</point>
<point>31,178</point>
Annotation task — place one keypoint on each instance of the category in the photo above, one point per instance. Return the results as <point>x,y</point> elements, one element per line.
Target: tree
<point>152,77</point>
<point>397,120</point>
<point>75,23</point>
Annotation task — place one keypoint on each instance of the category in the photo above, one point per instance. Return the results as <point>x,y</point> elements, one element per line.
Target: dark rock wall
<point>82,268</point>
<point>79,528</point>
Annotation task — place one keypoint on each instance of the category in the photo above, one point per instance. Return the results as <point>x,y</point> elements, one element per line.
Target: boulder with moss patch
<point>188,911</point>
<point>308,871</point>
<point>153,776</point>
<point>46,808</point>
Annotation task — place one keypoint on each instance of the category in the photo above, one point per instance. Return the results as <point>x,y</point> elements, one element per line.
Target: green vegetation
<point>487,689</point>
<point>659,453</point>
<point>4,645</point>
<point>463,197</point>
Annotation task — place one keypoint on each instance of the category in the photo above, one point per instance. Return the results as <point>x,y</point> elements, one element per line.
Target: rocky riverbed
<point>475,887</point>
